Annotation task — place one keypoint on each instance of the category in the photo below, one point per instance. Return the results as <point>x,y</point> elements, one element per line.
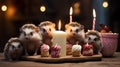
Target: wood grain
<point>68,58</point>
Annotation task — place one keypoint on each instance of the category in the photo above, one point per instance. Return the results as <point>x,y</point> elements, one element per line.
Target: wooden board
<point>68,58</point>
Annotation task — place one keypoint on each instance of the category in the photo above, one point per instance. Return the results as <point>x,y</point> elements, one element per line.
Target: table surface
<point>105,62</point>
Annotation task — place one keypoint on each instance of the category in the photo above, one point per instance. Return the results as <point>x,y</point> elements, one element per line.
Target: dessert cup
<point>109,42</point>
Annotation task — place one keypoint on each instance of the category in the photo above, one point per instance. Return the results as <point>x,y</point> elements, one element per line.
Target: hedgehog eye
<point>44,30</point>
<point>31,33</point>
<point>89,38</point>
<point>19,46</point>
<point>24,33</point>
<point>95,39</point>
<point>77,30</point>
<point>70,30</point>
<point>49,29</point>
<point>13,47</point>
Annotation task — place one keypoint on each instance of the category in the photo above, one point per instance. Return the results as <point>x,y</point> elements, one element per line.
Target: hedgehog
<point>93,38</point>
<point>31,38</point>
<point>13,49</point>
<point>75,33</point>
<point>46,29</point>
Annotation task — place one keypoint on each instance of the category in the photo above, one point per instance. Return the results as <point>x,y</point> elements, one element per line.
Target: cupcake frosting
<point>56,47</point>
<point>55,51</point>
<point>68,46</point>
<point>76,48</point>
<point>45,47</point>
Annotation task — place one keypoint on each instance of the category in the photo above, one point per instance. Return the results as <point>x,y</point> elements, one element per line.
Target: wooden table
<point>105,62</point>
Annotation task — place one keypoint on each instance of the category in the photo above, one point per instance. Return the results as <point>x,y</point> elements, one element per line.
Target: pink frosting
<point>68,45</point>
<point>87,50</point>
<point>55,51</point>
<point>45,47</point>
<point>56,47</point>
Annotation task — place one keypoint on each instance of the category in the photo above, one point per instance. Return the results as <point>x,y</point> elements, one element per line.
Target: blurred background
<point>15,13</point>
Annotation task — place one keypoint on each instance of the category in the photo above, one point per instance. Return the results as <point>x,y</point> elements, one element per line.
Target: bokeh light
<point>105,4</point>
<point>76,8</point>
<point>42,8</point>
<point>4,8</point>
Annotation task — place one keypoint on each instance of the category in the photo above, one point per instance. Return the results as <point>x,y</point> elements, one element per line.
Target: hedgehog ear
<point>82,27</point>
<point>88,30</point>
<point>66,26</point>
<point>40,26</point>
<point>37,29</point>
<point>85,35</point>
<point>53,25</point>
<point>21,29</point>
<point>6,46</point>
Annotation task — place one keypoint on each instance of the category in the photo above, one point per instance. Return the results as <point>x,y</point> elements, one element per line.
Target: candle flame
<point>71,10</point>
<point>59,25</point>
<point>94,13</point>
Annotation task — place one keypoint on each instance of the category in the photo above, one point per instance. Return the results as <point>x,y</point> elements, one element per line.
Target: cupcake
<point>55,51</point>
<point>68,49</point>
<point>87,50</point>
<point>109,41</point>
<point>76,50</point>
<point>45,50</point>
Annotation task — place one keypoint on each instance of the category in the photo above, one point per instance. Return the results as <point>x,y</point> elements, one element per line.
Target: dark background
<point>27,11</point>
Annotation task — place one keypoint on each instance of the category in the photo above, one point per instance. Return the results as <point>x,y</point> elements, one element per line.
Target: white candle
<point>71,11</point>
<point>59,37</point>
<point>94,19</point>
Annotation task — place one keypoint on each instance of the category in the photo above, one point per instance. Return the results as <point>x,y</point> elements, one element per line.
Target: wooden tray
<point>68,58</point>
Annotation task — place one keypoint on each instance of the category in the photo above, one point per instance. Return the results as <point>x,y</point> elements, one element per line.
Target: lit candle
<point>94,19</point>
<point>59,37</point>
<point>71,11</point>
